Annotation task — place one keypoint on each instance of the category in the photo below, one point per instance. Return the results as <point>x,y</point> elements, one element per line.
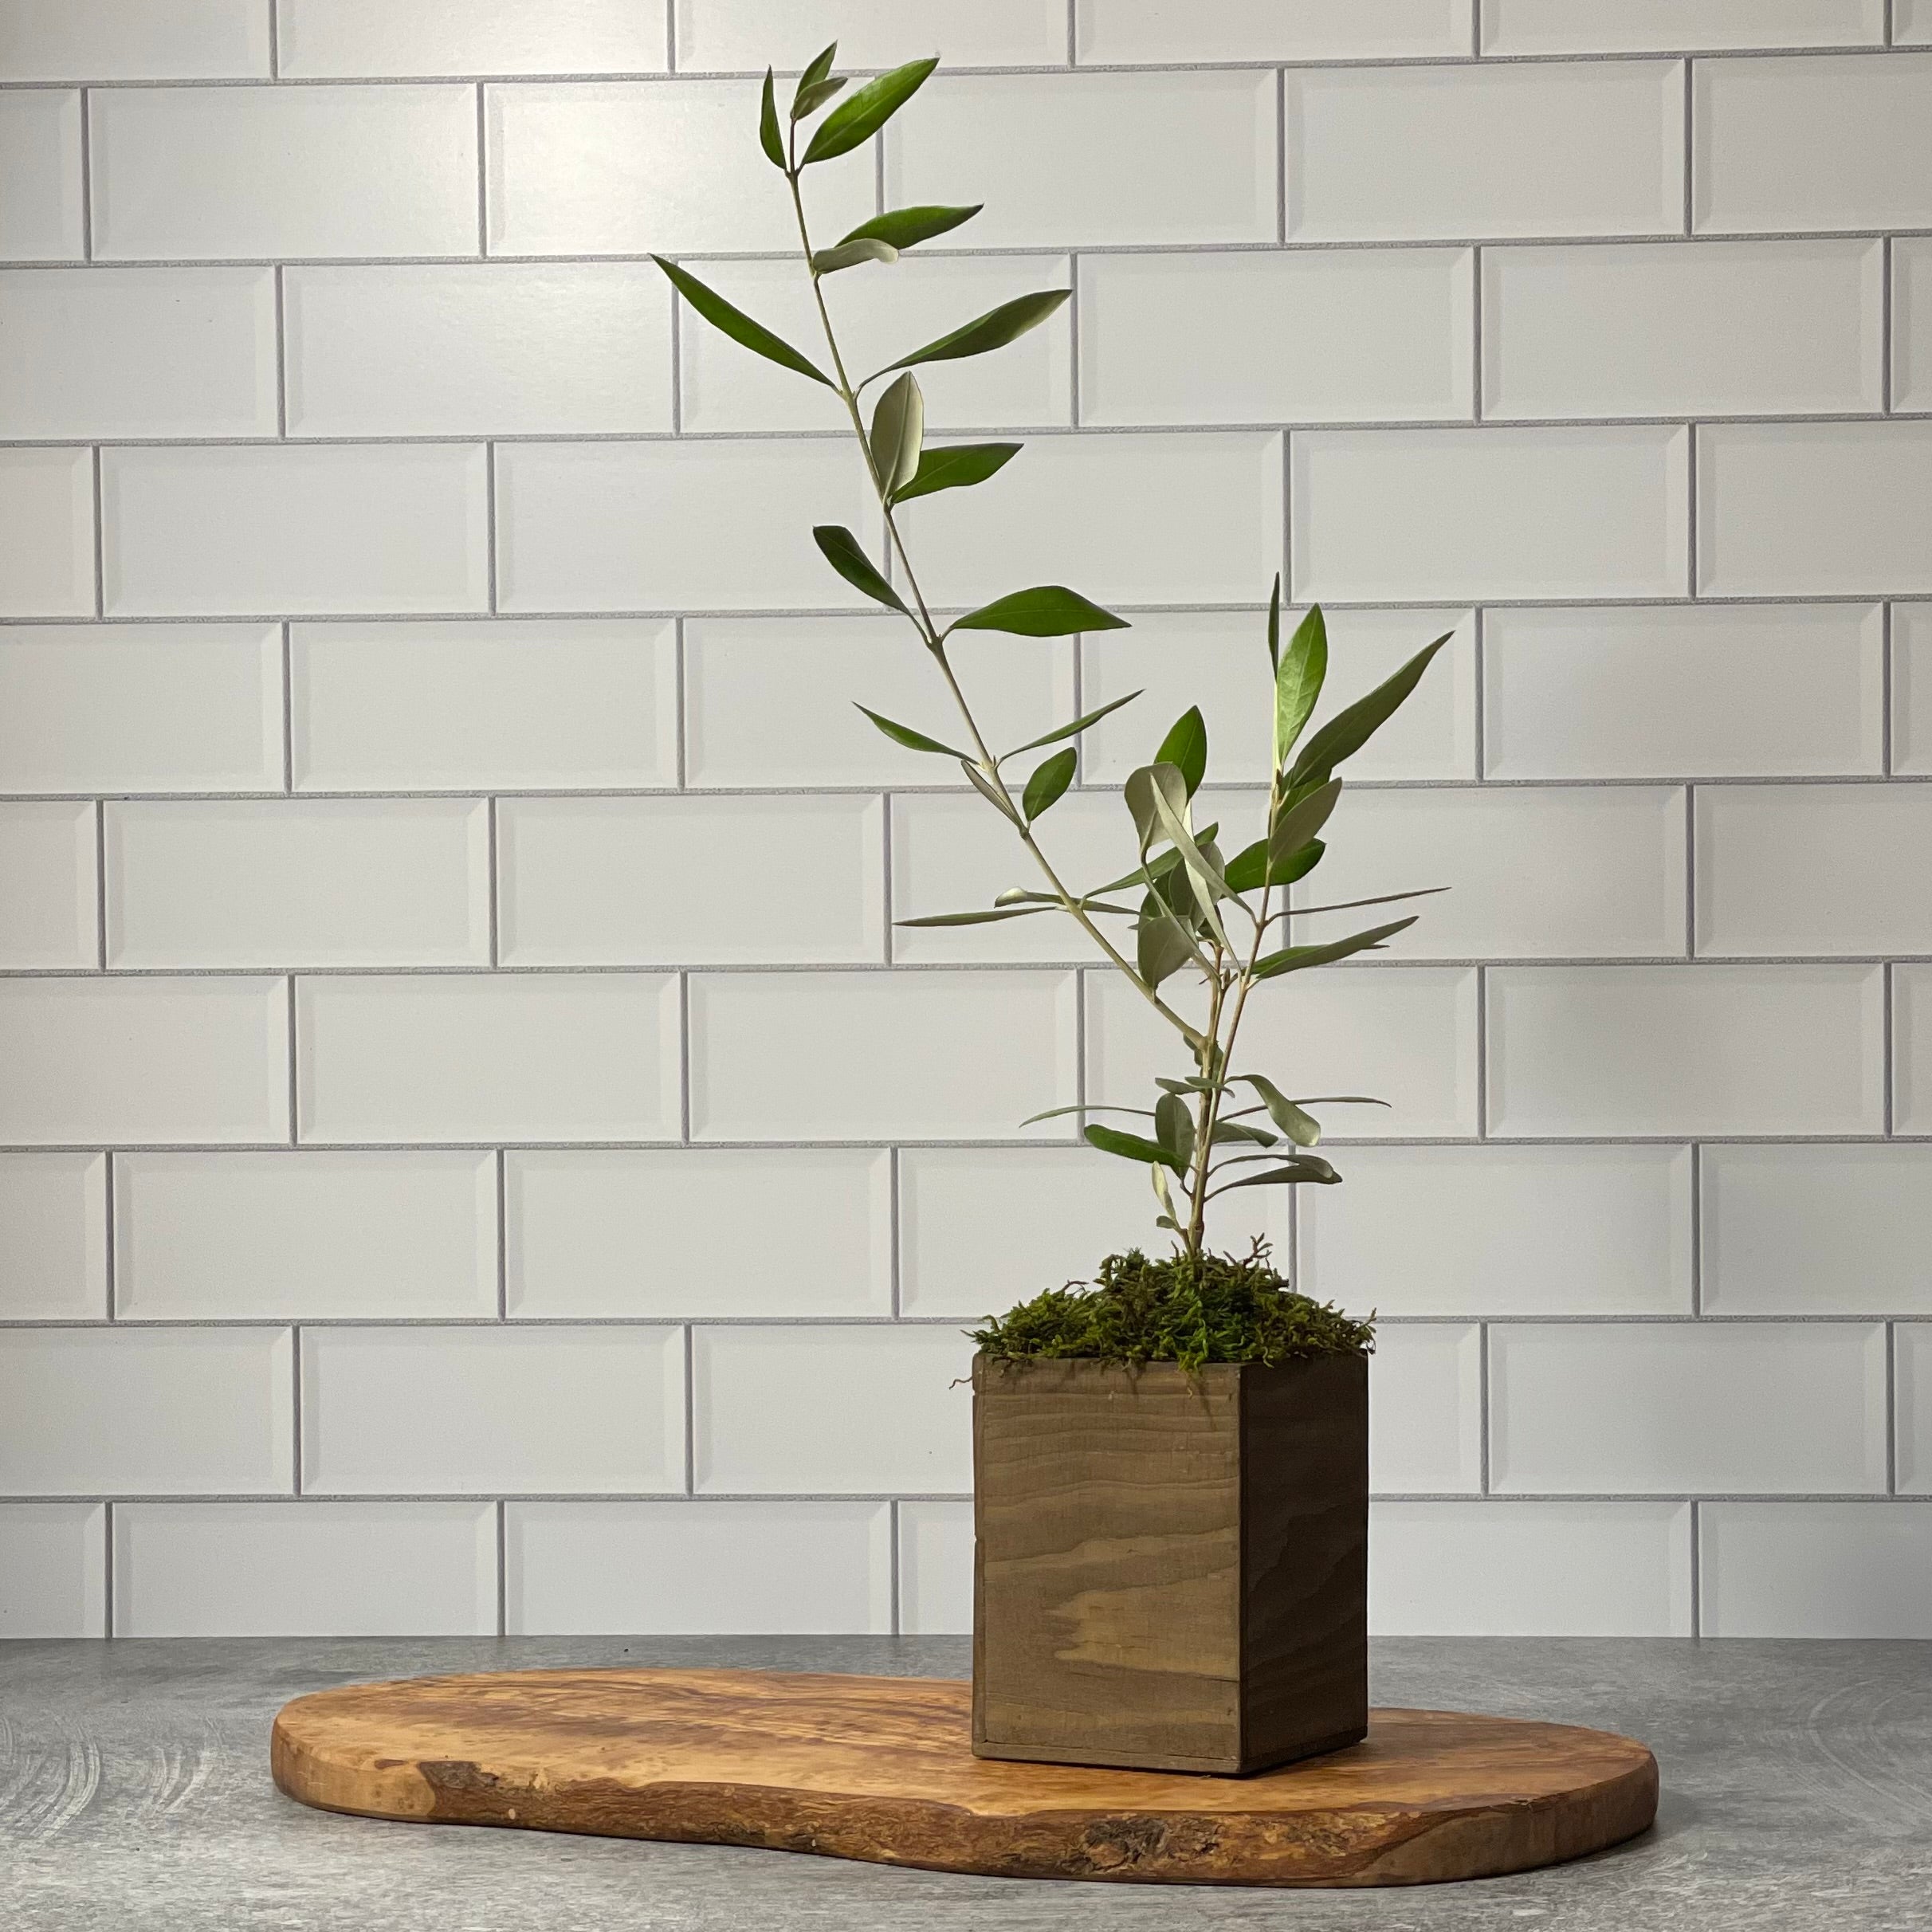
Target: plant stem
<point>935,641</point>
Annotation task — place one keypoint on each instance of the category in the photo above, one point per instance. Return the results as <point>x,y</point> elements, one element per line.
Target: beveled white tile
<point>1415,514</point>
<point>1650,26</point>
<point>133,40</point>
<point>773,702</point>
<point>1812,509</point>
<point>630,168</point>
<point>46,534</point>
<point>658,525</point>
<point>54,1233</point>
<point>1722,329</point>
<point>146,1411</point>
<point>1690,692</point>
<point>1405,1034</point>
<point>148,351</point>
<point>1911,370</point>
<point>1811,141</point>
<point>1425,1410</point>
<point>1912,688</point>
<point>1154,32</point>
<point>42,217</point>
<point>1864,852</point>
<point>1911,23</point>
<point>422,1409</point>
<point>1509,1569</point>
<point>698,1231</point>
<point>1813,1230</point>
<point>1417,153</point>
<point>1548,872</point>
<point>965,1055</point>
<point>297,1570</point>
<point>1913,1342</point>
<point>832,1411</point>
<point>743,1569</point>
<point>1217,660</point>
<point>53,1570</point>
<point>320,1235</point>
<point>252,172</point>
<point>1332,335</point>
<point>722,386</point>
<point>391,38</point>
<point>48,885</point>
<point>1094,159</point>
<point>140,707</point>
<point>748,36</point>
<point>1124,519</point>
<point>298,882</point>
<point>649,882</point>
<point>127,1062</point>
<point>1761,1407</point>
<point>341,528</point>
<point>1681,1050</point>
<point>476,348</point>
<point>1816,1569</point>
<point>1499,1229</point>
<point>935,1569</point>
<point>536,1057</point>
<point>1912,1048</point>
<point>555,703</point>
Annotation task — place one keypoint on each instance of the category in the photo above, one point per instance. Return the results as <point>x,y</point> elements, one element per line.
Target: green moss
<point>1178,1308</point>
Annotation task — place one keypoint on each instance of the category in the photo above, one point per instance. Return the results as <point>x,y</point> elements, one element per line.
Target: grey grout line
<point>295,1362</point>
<point>886,818</point>
<point>1885,274</point>
<point>503,1569</point>
<point>670,36</point>
<point>109,1258</point>
<point>1691,434</point>
<point>489,525</point>
<point>281,352</point>
<point>1281,156</point>
<point>502,1235</point>
<point>1891,27</point>
<point>101,540</point>
<point>894,1233</point>
<point>1288,517</point>
<point>294,1088</point>
<point>100,884</point>
<point>1479,661</point>
<point>684,1059</point>
<point>894,1584</point>
<point>1483,1032</point>
<point>107,1565</point>
<point>1887,689</point>
<point>288,710</point>
<point>676,351</point>
<point>1696,1228</point>
<point>1691,950</point>
<point>1073,32</point>
<point>87,175</point>
<point>690,1412</point>
<point>482,174</point>
<point>1697,1565</point>
<point>274,39</point>
<point>1687,71</point>
<point>1887,1003</point>
<point>1482,1406</point>
<point>1072,336</point>
<point>1475,333</point>
<point>1891,1408</point>
<point>495,890</point>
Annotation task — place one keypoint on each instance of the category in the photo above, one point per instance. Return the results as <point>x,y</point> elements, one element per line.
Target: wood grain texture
<point>881,1768</point>
<point>1171,1570</point>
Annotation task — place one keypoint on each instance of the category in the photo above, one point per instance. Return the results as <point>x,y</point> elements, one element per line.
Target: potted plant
<point>1171,1463</point>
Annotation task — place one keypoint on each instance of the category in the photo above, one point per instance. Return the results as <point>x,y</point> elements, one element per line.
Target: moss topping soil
<point>1178,1308</point>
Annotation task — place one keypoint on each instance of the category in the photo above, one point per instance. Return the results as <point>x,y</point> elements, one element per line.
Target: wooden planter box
<point>1170,1574</point>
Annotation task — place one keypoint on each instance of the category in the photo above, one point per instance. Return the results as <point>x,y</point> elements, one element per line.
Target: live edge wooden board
<point>881,1768</point>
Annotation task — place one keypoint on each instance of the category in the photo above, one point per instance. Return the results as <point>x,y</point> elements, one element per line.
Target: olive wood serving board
<point>881,1768</point>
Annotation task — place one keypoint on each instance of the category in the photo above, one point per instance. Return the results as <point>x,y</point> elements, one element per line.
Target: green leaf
<point>1292,959</point>
<point>1072,730</point>
<point>1350,905</point>
<point>1047,784</point>
<point>898,428</point>
<point>1143,790</point>
<point>1294,828</point>
<point>1174,1127</point>
<point>841,549</point>
<point>768,137</point>
<point>1303,1129</point>
<point>816,68</point>
<point>956,466</point>
<point>912,740</point>
<point>1345,733</point>
<point>1309,1167</point>
<point>1185,747</point>
<point>862,115</point>
<point>735,324</point>
<point>991,792</point>
<point>1298,681</point>
<point>1274,625</point>
<point>1248,870</point>
<point>993,330</point>
<point>1046,610</point>
<point>1160,948</point>
<point>963,918</point>
<point>1156,795</point>
<point>850,254</point>
<point>808,100</point>
<point>1251,1136</point>
<point>908,227</point>
<point>1085,1106</point>
<point>1131,1147</point>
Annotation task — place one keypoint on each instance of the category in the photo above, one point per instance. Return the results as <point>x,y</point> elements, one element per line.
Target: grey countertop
<point>135,1794</point>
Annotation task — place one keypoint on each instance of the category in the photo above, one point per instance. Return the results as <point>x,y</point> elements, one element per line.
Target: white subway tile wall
<point>466,1100</point>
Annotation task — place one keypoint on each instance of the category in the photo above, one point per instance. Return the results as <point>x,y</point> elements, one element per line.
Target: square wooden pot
<point>1171,1573</point>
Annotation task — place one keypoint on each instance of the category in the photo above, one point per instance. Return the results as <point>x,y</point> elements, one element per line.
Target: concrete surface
<point>135,1798</point>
